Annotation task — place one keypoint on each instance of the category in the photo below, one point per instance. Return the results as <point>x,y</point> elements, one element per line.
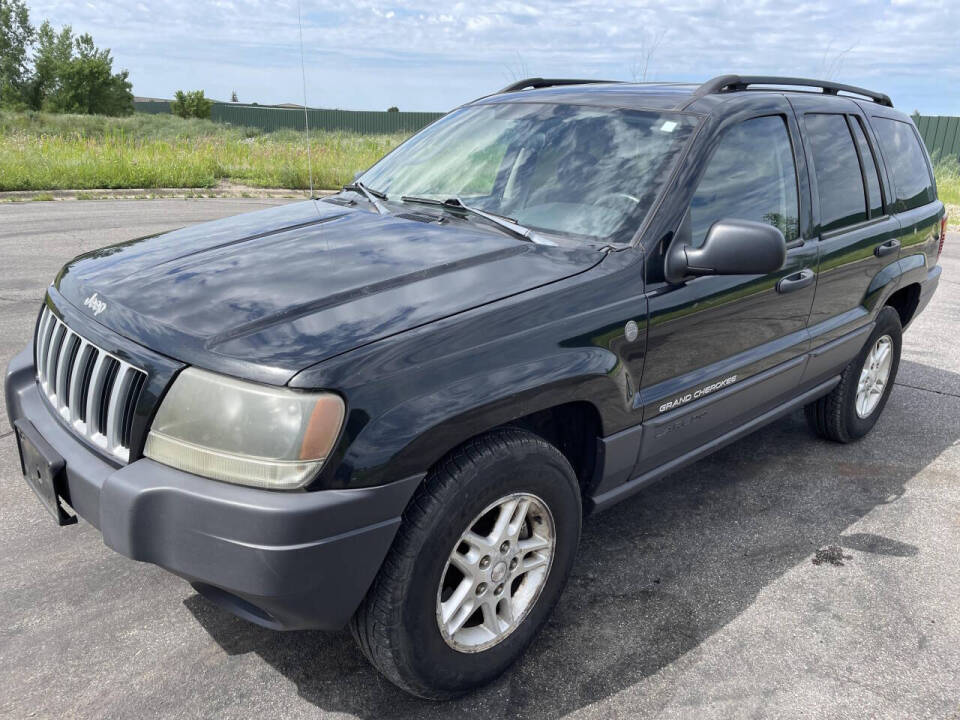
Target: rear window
<point>837,168</point>
<point>906,163</point>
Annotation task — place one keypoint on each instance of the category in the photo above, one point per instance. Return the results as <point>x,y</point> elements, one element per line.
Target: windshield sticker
<point>668,126</point>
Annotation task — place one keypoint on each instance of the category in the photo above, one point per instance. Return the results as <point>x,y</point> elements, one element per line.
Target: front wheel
<point>852,408</point>
<point>481,557</point>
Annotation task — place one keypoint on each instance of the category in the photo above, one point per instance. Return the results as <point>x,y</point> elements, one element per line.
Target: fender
<point>422,429</point>
<point>419,394</point>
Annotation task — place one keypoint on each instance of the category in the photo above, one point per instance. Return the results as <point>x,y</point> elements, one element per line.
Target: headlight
<point>239,432</point>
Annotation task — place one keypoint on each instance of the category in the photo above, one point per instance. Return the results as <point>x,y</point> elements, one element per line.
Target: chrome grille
<point>95,392</point>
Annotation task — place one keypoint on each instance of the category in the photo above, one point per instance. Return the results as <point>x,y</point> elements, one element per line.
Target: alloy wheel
<point>874,376</point>
<point>495,572</point>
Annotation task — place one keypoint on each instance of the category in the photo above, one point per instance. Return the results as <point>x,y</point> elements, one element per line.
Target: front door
<point>723,349</point>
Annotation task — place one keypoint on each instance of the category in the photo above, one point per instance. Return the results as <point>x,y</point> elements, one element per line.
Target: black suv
<point>391,408</point>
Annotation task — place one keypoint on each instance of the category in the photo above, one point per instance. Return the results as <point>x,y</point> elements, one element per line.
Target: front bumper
<point>285,560</point>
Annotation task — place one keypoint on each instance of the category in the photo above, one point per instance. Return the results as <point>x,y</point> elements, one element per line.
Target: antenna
<point>306,117</point>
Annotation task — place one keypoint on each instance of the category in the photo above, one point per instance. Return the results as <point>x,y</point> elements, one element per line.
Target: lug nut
<point>481,588</point>
<point>498,589</point>
<point>505,547</point>
<point>484,562</point>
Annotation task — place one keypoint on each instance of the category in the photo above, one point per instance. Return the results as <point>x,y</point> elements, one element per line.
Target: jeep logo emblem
<point>95,304</point>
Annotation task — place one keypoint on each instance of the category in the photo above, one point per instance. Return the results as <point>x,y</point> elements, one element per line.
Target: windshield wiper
<point>371,195</point>
<point>511,226</point>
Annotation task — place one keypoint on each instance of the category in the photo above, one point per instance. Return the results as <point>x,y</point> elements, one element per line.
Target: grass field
<point>39,151</point>
<point>948,188</point>
<point>42,152</point>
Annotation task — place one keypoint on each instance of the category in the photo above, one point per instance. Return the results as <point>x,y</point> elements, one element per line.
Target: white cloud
<point>417,54</point>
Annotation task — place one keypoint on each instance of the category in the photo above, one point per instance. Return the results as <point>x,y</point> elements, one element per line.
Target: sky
<point>432,55</point>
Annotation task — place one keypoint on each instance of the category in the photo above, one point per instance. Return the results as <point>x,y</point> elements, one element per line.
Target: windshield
<point>573,170</point>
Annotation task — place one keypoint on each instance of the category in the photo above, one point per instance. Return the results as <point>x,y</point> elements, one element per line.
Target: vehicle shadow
<point>660,573</point>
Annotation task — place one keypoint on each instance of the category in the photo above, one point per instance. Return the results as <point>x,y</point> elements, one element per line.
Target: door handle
<point>797,281</point>
<point>890,246</point>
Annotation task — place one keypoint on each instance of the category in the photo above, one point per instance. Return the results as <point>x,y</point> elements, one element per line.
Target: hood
<point>266,294</point>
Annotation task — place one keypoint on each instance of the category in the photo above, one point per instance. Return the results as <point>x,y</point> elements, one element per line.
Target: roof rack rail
<point>734,83</point>
<point>535,83</point>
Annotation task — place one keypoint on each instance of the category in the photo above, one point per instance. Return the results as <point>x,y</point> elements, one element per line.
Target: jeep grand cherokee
<point>391,408</point>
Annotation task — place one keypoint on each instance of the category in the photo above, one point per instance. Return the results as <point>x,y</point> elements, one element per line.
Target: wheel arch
<point>905,301</point>
<point>898,285</point>
<point>572,412</point>
<point>574,428</point>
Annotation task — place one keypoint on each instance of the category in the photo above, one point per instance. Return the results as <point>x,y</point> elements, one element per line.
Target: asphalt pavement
<point>698,598</point>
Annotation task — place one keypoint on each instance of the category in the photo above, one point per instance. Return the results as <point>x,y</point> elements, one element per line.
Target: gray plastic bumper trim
<point>299,559</point>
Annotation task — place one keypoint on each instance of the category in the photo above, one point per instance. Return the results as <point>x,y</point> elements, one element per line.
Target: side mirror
<point>732,247</point>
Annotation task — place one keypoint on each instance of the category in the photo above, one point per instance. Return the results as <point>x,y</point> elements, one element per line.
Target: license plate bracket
<point>44,470</point>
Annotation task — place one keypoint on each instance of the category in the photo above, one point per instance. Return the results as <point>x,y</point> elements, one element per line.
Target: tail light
<point>943,235</point>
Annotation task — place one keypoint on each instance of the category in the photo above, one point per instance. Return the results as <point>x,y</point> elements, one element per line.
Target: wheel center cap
<point>499,572</point>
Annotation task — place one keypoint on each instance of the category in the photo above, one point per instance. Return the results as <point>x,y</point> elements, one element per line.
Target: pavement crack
<point>938,392</point>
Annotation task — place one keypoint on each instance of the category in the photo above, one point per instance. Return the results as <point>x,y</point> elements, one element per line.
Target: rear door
<point>913,198</point>
<point>858,235</point>
<point>721,350</point>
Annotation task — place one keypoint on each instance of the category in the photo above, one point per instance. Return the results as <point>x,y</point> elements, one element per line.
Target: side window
<point>839,182</point>
<point>906,162</point>
<point>751,176</point>
<point>869,168</point>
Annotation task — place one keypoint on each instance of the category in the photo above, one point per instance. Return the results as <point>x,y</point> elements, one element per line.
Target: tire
<point>837,416</point>
<point>398,625</point>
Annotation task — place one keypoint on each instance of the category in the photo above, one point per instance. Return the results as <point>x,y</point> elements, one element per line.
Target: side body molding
<point>666,442</point>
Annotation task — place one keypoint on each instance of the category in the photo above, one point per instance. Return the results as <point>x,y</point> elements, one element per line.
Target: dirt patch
<point>832,554</point>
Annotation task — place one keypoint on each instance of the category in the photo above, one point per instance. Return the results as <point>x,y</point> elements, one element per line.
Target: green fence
<point>941,135</point>
<point>151,107</point>
<point>270,118</point>
<point>358,121</point>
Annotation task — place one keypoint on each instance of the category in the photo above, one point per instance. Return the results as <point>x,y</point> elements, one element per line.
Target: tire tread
<point>827,416</point>
<point>376,623</point>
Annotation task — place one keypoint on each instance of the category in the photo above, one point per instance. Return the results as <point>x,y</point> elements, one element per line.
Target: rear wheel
<point>480,560</point>
<point>852,408</point>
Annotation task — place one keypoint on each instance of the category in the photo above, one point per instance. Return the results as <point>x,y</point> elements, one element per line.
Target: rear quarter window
<point>906,162</point>
<point>869,168</point>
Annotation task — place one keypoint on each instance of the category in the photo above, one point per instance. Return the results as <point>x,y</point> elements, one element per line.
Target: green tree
<point>88,84</point>
<point>393,108</point>
<point>54,52</point>
<point>191,104</point>
<point>72,75</point>
<point>16,36</point>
